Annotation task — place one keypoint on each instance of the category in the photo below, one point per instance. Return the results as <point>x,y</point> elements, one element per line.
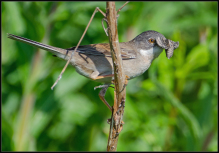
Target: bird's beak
<point>168,45</point>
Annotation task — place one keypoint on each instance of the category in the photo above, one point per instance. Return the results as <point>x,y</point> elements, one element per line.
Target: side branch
<point>63,70</point>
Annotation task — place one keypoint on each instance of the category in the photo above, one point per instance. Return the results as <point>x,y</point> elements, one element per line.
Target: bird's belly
<point>136,68</point>
<point>86,65</point>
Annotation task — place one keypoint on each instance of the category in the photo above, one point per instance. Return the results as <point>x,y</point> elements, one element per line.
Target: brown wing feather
<point>104,50</point>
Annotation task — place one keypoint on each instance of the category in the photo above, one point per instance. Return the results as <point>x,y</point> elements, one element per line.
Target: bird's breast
<point>151,53</point>
<point>139,65</point>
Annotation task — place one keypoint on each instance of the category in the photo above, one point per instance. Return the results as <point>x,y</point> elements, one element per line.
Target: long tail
<point>61,53</point>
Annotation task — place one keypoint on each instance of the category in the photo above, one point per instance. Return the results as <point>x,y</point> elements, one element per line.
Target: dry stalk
<point>119,78</point>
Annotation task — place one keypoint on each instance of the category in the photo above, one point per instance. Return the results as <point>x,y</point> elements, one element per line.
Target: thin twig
<point>122,7</point>
<point>101,11</point>
<point>105,29</point>
<point>63,70</point>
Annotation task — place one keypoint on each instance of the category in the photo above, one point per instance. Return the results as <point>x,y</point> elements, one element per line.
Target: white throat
<point>151,53</point>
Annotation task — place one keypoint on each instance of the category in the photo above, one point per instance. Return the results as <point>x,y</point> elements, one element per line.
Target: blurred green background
<point>171,107</point>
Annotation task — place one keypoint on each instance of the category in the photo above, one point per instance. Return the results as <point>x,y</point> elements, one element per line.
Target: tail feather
<point>55,50</point>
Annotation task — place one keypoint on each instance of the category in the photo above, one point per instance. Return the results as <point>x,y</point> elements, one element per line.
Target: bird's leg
<point>105,87</point>
<point>102,86</point>
<point>125,83</point>
<point>102,94</point>
<point>95,76</point>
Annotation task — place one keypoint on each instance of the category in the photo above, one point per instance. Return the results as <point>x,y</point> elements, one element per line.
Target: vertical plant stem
<point>22,128</point>
<point>119,78</point>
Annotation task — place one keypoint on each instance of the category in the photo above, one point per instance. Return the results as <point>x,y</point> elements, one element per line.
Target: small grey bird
<point>94,61</point>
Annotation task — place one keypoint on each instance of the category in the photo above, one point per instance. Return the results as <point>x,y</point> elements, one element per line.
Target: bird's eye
<point>151,40</point>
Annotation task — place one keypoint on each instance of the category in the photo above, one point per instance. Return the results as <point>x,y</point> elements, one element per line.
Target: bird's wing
<point>104,50</point>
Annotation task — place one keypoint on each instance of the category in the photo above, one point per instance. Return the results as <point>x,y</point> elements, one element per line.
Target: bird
<point>94,61</point>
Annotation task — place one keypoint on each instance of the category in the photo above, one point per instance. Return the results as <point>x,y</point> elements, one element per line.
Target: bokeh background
<point>171,107</point>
